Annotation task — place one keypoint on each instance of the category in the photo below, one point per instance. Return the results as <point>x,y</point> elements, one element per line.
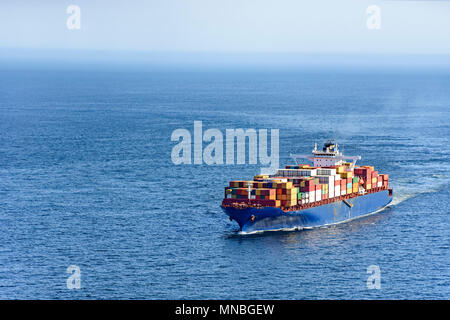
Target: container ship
<point>330,191</point>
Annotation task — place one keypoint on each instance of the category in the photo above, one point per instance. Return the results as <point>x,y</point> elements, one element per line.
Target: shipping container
<point>307,189</point>
<point>347,174</point>
<point>326,171</point>
<point>295,172</point>
<point>325,179</point>
<point>265,203</point>
<point>331,191</point>
<point>318,196</point>
<point>337,191</point>
<point>340,169</point>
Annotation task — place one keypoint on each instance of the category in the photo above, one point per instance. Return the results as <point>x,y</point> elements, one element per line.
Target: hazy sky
<point>324,26</point>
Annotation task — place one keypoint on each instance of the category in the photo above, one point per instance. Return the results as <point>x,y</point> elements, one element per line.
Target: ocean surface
<point>86,179</point>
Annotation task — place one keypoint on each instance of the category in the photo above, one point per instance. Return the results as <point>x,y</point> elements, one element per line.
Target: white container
<point>282,180</point>
<point>337,191</point>
<point>331,190</point>
<point>318,195</point>
<point>343,192</point>
<point>325,179</point>
<point>295,172</point>
<point>379,184</point>
<point>312,196</point>
<point>326,171</point>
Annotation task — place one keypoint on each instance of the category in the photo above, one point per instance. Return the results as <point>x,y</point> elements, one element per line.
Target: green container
<point>355,179</point>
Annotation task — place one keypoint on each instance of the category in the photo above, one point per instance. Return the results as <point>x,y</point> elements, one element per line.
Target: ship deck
<point>249,203</point>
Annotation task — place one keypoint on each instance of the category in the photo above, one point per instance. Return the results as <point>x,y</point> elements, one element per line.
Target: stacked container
<point>385,180</point>
<point>300,184</point>
<point>365,173</point>
<point>355,184</point>
<point>243,193</point>
<point>299,166</point>
<point>296,172</point>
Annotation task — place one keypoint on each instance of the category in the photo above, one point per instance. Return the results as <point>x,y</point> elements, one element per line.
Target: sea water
<point>86,180</point>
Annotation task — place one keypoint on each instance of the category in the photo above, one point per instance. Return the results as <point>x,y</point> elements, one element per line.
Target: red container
<point>268,203</point>
<point>308,188</point>
<point>264,203</point>
<point>374,174</point>
<point>230,201</point>
<point>363,172</point>
<point>337,183</point>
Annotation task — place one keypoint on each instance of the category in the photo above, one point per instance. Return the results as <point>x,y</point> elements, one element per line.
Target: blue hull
<point>270,218</point>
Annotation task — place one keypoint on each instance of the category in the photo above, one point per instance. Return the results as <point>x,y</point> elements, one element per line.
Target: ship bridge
<point>329,156</point>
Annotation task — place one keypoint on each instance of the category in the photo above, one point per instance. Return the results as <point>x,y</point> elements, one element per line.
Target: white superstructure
<point>329,156</point>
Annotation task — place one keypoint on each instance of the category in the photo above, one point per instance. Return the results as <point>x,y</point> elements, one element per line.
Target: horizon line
<point>150,51</point>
